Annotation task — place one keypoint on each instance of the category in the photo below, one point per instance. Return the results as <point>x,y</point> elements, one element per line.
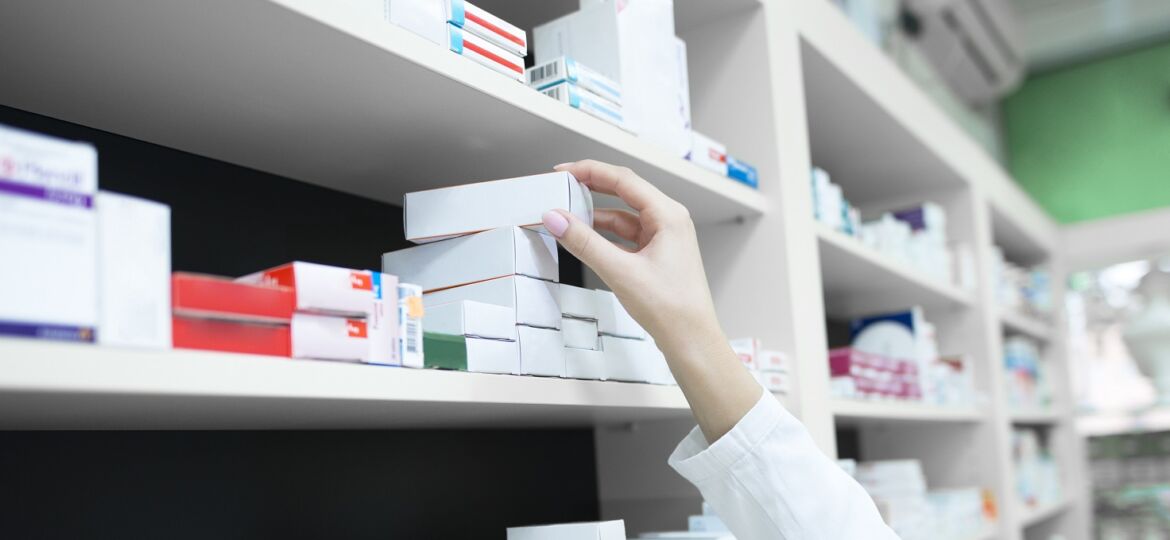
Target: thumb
<point>584,243</point>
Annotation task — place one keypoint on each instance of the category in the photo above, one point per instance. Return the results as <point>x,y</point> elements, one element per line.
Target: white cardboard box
<point>708,153</point>
<point>48,237</point>
<point>747,350</point>
<point>614,320</point>
<point>580,333</point>
<point>584,100</point>
<point>134,271</point>
<point>493,356</point>
<point>585,364</point>
<point>476,257</point>
<point>472,319</point>
<point>329,290</point>
<point>771,360</point>
<point>476,20</point>
<point>534,300</point>
<point>427,18</point>
<point>580,303</point>
<point>630,360</point>
<point>774,381</point>
<point>542,352</point>
<point>566,69</point>
<point>410,325</point>
<point>324,337</point>
<point>485,53</point>
<point>599,530</point>
<point>441,213</point>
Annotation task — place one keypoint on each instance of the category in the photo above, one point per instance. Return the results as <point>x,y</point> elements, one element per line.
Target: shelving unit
<point>326,96</point>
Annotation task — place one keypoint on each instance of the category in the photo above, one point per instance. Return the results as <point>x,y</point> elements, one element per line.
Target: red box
<point>231,336</point>
<point>196,295</point>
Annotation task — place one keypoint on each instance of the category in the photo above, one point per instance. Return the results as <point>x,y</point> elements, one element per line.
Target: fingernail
<point>561,166</point>
<point>555,223</point>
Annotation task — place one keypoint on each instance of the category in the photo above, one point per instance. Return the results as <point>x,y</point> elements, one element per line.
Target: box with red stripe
<point>484,52</point>
<point>475,20</point>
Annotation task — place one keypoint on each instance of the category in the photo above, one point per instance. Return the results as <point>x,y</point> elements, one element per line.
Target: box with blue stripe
<point>582,99</point>
<point>565,69</point>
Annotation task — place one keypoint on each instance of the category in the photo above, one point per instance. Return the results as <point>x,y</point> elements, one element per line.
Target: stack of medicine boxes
<point>770,368</point>
<point>465,28</point>
<point>568,81</point>
<point>490,276</point>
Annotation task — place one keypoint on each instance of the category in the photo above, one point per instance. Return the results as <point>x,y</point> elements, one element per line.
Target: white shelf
<point>859,280</point>
<point>864,411</point>
<point>1100,424</point>
<point>1040,514</point>
<point>313,91</point>
<point>69,386</point>
<point>1026,324</point>
<point>1048,416</point>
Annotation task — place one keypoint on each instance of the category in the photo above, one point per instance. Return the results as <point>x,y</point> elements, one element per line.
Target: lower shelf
<point>45,385</point>
<point>1039,514</point>
<point>861,411</point>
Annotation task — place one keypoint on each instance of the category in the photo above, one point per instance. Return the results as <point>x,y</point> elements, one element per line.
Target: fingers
<point>614,180</point>
<point>603,256</point>
<point>620,222</point>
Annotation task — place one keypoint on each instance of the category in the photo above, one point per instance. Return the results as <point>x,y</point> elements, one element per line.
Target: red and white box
<point>329,290</point>
<point>773,361</point>
<point>476,20</point>
<point>204,296</point>
<point>230,336</point>
<point>349,339</point>
<point>747,350</point>
<point>708,153</point>
<point>471,46</point>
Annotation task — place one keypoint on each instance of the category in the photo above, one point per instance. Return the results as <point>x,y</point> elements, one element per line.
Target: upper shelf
<point>47,385</point>
<point>869,121</point>
<point>1025,324</point>
<point>860,281</point>
<point>316,92</point>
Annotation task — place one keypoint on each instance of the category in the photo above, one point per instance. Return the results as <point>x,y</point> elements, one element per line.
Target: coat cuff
<point>697,461</point>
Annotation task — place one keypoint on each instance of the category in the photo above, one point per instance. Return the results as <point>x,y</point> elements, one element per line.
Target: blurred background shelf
<point>1026,324</point>
<point>1030,517</point>
<point>861,411</point>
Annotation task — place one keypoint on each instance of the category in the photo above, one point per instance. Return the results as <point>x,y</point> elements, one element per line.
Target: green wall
<point>1093,140</point>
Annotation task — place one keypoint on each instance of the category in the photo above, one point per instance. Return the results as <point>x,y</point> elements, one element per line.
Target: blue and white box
<point>743,172</point>
<point>565,69</point>
<point>48,235</point>
<point>584,100</point>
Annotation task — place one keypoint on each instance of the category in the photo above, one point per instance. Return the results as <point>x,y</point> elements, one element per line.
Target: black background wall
<point>424,484</point>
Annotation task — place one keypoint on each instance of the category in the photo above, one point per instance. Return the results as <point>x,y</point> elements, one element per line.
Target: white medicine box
<point>534,301</point>
<point>598,530</point>
<point>477,257</point>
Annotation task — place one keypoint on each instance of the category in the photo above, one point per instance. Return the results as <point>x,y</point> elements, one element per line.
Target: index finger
<point>614,180</point>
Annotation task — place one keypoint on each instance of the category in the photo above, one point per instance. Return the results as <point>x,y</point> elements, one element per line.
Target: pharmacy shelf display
<point>326,96</point>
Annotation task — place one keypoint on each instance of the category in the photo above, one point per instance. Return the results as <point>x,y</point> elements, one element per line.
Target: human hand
<point>660,281</point>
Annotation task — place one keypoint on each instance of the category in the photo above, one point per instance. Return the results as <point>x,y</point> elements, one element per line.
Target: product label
<point>356,328</point>
<point>361,281</point>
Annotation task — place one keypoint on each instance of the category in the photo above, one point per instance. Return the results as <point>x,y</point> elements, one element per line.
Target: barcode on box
<point>549,70</point>
<point>556,92</point>
<point>412,336</point>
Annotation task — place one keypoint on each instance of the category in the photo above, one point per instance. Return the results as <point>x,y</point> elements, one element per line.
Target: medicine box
<point>478,21</point>
<point>580,333</point>
<point>771,360</point>
<point>542,352</point>
<point>231,336</point>
<point>581,303</point>
<point>534,301</point>
<point>631,360</point>
<point>326,337</point>
<point>585,364</point>
<point>743,172</point>
<point>707,153</point>
<point>476,257</point>
<point>427,18</point>
<point>472,319</point>
<point>48,237</point>
<point>706,524</point>
<point>614,320</point>
<point>565,69</point>
<point>328,290</point>
<point>579,98</point>
<point>203,296</point>
<point>134,271</point>
<point>599,530</point>
<point>460,210</point>
<point>410,325</point>
<point>774,381</point>
<point>484,52</point>
<point>477,355</point>
<point>747,350</point>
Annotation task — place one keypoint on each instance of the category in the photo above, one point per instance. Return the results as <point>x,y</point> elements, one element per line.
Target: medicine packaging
<point>580,333</point>
<point>325,337</point>
<point>329,290</point>
<point>708,153</point>
<point>585,364</point>
<point>472,319</point>
<point>581,303</point>
<point>484,52</point>
<point>579,98</point>
<point>134,271</point>
<point>747,350</point>
<point>476,257</point>
<point>614,320</point>
<point>599,530</point>
<point>743,172</point>
<point>214,297</point>
<point>48,224</point>
<point>775,361</point>
<point>436,214</point>
<point>410,325</point>
<point>477,355</point>
<point>565,69</point>
<point>542,351</point>
<point>534,301</point>
<point>634,360</point>
<point>231,336</point>
<point>481,23</point>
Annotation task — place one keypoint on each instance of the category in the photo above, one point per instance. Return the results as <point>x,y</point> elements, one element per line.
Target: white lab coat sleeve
<point>767,480</point>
